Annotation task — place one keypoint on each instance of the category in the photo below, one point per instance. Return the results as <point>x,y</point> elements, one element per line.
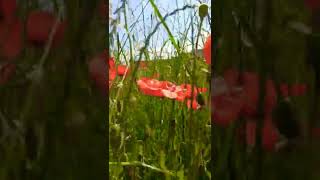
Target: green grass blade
<point>173,41</point>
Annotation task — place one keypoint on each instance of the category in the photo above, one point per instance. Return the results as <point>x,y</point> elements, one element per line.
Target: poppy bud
<point>203,10</point>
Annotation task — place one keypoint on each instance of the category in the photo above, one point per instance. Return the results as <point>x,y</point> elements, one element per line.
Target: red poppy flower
<point>187,89</point>
<point>284,89</point>
<point>122,70</point>
<point>8,9</point>
<point>225,115</point>
<point>168,85</point>
<point>207,50</point>
<point>181,96</point>
<point>170,94</point>
<point>194,104</point>
<point>226,109</point>
<point>111,63</point>
<point>150,87</point>
<point>6,72</point>
<point>153,87</point>
<point>112,74</point>
<point>172,91</point>
<point>39,27</point>
<point>12,44</point>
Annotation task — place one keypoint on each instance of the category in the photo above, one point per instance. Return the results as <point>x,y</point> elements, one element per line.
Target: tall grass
<point>153,138</point>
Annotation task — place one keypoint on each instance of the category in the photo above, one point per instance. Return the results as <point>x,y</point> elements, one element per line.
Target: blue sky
<point>178,23</point>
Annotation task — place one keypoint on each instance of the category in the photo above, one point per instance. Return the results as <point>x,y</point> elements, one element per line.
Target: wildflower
<point>112,74</point>
<point>111,63</point>
<point>187,88</point>
<point>227,103</point>
<point>150,87</point>
<point>122,70</point>
<point>39,27</point>
<point>225,111</point>
<point>167,89</point>
<point>194,104</point>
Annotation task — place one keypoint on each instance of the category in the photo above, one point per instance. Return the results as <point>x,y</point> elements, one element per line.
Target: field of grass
<point>157,137</point>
